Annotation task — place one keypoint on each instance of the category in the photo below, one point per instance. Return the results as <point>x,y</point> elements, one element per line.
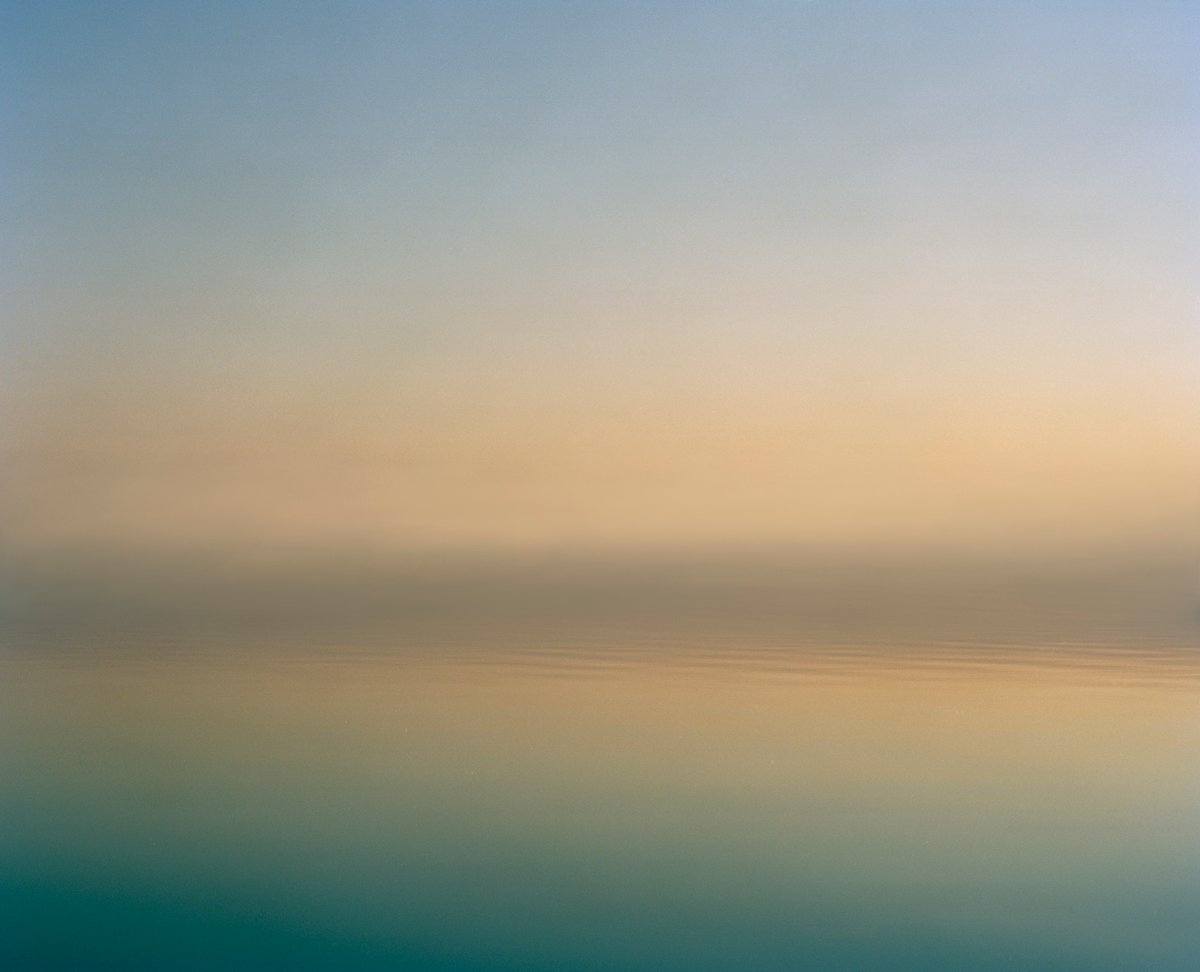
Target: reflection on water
<point>568,767</point>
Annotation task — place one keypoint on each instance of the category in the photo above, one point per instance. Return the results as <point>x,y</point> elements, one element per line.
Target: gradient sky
<point>472,273</point>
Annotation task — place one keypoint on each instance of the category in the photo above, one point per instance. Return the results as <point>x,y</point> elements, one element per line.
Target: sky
<point>406,275</point>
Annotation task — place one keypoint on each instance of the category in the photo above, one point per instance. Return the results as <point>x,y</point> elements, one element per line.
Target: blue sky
<point>428,199</point>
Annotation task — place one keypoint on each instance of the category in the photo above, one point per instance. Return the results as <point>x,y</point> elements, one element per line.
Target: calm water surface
<point>621,768</point>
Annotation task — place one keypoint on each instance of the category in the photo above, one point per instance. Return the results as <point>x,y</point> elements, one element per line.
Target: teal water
<point>645,768</point>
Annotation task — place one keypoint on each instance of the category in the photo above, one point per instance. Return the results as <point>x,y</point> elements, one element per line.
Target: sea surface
<point>756,763</point>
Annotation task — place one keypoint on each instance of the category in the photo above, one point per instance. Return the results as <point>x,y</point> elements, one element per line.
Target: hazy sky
<point>414,273</point>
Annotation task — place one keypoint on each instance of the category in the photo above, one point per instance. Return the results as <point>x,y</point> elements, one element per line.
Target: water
<point>722,765</point>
